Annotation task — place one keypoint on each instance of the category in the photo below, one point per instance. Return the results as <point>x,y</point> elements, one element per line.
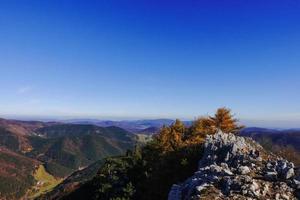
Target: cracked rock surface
<point>234,167</point>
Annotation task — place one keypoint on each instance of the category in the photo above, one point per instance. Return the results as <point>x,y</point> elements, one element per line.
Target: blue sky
<point>150,58</point>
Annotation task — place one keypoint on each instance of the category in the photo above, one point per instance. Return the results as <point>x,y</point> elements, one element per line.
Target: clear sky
<point>150,58</point>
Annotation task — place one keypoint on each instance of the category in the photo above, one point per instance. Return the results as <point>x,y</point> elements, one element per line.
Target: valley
<point>36,156</point>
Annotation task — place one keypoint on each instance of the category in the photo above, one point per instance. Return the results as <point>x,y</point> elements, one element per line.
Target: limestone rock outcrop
<point>234,167</point>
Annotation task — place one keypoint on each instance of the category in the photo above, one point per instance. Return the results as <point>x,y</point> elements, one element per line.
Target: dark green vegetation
<point>61,148</point>
<point>148,172</point>
<point>8,140</point>
<point>66,148</point>
<point>143,174</point>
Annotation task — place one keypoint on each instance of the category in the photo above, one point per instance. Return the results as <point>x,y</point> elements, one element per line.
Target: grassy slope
<point>45,182</point>
<point>73,182</point>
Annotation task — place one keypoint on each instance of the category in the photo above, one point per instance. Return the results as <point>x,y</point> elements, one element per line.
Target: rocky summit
<point>234,167</point>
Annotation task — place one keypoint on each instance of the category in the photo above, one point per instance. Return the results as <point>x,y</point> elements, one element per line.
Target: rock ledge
<point>234,167</point>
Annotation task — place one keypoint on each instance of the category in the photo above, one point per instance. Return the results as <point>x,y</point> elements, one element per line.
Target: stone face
<point>234,167</point>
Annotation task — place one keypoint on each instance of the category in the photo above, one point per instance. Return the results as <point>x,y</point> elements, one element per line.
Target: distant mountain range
<point>129,125</point>
<point>136,126</point>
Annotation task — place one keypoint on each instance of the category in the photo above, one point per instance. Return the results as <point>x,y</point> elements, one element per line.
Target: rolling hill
<point>68,147</point>
<point>14,133</point>
<point>60,149</point>
<point>280,137</point>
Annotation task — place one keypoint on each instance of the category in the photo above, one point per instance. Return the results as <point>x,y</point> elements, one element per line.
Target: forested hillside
<point>66,148</point>
<point>16,174</point>
<point>282,142</point>
<point>148,172</point>
<point>60,149</point>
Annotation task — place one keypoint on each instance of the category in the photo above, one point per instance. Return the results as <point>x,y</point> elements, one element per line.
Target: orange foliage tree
<point>171,138</point>
<point>225,121</point>
<point>178,135</point>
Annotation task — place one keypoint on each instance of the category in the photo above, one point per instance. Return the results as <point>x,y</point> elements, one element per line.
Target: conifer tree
<point>225,121</point>
<point>170,138</point>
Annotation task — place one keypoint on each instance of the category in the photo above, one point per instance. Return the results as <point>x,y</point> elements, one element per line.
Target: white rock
<point>230,163</point>
<point>289,173</point>
<point>202,187</point>
<point>244,170</point>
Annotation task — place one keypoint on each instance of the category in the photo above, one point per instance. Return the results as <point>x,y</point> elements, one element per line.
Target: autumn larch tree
<point>225,121</point>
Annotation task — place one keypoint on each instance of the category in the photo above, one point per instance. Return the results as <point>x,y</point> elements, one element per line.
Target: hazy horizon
<point>262,123</point>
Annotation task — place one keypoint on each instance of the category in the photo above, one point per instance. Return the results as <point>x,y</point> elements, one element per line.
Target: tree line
<point>148,171</point>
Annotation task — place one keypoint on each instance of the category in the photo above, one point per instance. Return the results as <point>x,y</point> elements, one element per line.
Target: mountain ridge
<point>61,148</point>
